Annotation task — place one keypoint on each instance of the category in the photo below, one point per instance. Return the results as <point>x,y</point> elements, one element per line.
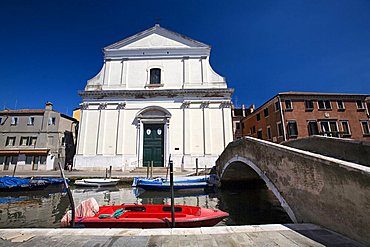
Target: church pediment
<point>156,37</point>
<point>154,41</point>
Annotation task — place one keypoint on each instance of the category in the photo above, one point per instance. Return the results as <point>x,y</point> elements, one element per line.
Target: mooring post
<point>15,167</point>
<point>147,169</point>
<point>172,195</point>
<point>69,195</point>
<point>196,166</point>
<point>110,171</point>
<point>151,169</point>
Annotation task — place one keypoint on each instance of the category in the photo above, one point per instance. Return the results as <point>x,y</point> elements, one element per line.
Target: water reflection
<point>251,205</point>
<point>43,210</point>
<point>245,204</point>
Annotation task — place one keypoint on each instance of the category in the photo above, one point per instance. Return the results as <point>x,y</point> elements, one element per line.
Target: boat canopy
<point>8,181</point>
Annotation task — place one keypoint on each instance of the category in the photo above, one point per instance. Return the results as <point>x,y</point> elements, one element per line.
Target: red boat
<point>151,216</point>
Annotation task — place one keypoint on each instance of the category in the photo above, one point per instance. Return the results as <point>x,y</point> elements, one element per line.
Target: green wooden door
<point>153,144</point>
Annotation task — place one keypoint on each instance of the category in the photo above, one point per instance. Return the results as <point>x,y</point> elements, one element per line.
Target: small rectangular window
<point>258,117</point>
<point>345,128</point>
<point>280,129</point>
<point>340,105</point>
<point>31,121</point>
<point>32,141</point>
<point>155,76</point>
<point>266,112</point>
<point>36,159</point>
<point>24,141</point>
<point>333,127</point>
<point>321,104</point>
<point>42,160</point>
<point>10,141</point>
<point>360,105</point>
<point>292,129</point>
<point>329,128</point>
<point>51,121</point>
<point>313,128</point>
<point>29,159</point>
<point>14,121</point>
<point>14,160</point>
<point>288,104</point>
<point>277,106</point>
<point>365,127</point>
<point>268,133</point>
<point>324,104</point>
<point>259,134</point>
<point>308,105</point>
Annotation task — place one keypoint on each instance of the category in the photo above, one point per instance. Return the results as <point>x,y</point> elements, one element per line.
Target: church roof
<point>156,41</point>
<point>157,29</point>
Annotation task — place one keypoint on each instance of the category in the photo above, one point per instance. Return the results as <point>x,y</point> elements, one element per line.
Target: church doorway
<point>153,145</point>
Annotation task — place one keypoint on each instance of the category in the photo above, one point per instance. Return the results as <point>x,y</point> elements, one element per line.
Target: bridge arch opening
<point>242,170</point>
<point>237,173</point>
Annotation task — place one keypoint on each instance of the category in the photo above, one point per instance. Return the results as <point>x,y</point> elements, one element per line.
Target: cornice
<point>322,96</point>
<point>170,93</point>
<point>157,52</point>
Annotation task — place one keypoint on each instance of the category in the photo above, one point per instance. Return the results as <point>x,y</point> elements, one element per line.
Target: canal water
<point>251,204</point>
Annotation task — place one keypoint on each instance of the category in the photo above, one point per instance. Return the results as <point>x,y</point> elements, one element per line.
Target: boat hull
<point>176,186</point>
<point>152,224</point>
<point>96,182</point>
<point>153,216</point>
<point>179,183</point>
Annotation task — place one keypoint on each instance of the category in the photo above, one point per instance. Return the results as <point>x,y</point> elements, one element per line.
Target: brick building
<point>237,115</point>
<point>293,115</point>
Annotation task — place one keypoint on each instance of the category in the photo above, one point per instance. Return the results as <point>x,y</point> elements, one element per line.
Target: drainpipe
<point>282,118</point>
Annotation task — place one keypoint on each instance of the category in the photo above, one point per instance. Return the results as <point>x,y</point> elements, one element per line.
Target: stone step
<point>158,171</point>
<point>143,170</point>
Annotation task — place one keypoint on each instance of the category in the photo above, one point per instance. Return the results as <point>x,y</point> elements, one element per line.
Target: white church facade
<point>155,97</point>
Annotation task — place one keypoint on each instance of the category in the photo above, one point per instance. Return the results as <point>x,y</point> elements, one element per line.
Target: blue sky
<point>49,49</point>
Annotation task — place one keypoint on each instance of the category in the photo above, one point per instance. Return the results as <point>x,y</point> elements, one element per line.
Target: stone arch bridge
<point>312,188</point>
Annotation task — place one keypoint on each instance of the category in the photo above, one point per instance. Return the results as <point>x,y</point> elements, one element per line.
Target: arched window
<point>155,76</point>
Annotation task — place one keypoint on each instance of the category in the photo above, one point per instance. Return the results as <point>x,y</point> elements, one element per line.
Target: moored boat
<point>151,216</point>
<point>193,182</point>
<point>97,182</point>
<point>141,193</point>
<point>11,184</point>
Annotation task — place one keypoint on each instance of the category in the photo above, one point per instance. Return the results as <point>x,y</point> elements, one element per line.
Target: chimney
<point>48,106</point>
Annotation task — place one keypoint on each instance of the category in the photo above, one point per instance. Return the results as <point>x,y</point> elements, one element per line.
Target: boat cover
<point>8,181</point>
<point>86,208</point>
<point>50,180</point>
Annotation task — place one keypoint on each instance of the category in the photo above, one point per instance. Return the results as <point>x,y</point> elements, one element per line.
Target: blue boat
<point>9,184</point>
<point>193,182</point>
